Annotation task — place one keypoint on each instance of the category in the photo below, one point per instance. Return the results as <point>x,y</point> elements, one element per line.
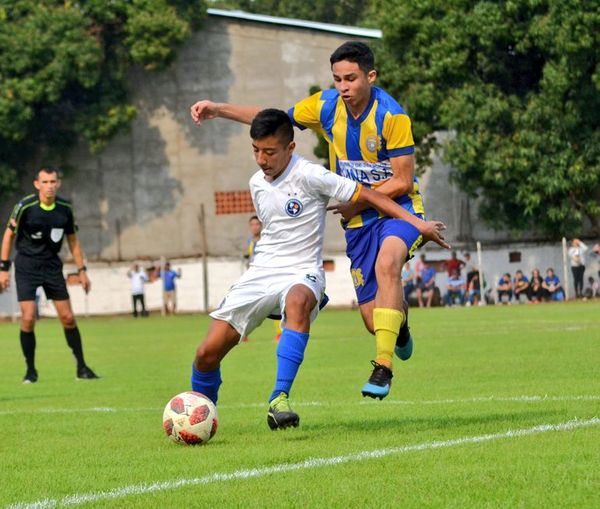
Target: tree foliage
<point>63,70</point>
<point>517,84</point>
<point>342,12</point>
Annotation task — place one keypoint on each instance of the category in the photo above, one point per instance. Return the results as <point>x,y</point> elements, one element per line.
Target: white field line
<point>518,399</point>
<point>141,489</point>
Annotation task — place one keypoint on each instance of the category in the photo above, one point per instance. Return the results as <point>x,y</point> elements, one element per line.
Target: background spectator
<point>520,286</point>
<point>454,264</point>
<point>536,288</point>
<point>576,255</point>
<point>408,280</point>
<point>504,289</point>
<point>552,285</point>
<point>138,279</point>
<point>255,227</point>
<point>592,290</point>
<point>419,266</point>
<point>169,289</point>
<point>473,290</point>
<point>456,287</point>
<point>471,267</point>
<point>427,285</point>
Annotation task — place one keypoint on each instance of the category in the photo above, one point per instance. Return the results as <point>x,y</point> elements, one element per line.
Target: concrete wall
<point>153,179</point>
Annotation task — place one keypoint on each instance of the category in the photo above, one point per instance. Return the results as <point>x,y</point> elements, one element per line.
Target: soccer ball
<point>190,418</point>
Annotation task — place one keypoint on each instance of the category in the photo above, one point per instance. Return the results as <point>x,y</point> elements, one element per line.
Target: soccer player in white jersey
<point>286,277</point>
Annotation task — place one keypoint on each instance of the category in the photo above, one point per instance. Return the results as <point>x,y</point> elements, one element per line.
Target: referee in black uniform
<point>40,222</point>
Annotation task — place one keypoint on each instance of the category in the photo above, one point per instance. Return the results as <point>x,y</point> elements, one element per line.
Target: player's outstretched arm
<point>77,253</point>
<point>430,230</point>
<point>7,241</point>
<point>208,110</point>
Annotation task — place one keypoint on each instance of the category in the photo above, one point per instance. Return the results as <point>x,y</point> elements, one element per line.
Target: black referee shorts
<point>31,273</point>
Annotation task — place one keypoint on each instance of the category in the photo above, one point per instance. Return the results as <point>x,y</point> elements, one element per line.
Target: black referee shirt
<point>40,231</point>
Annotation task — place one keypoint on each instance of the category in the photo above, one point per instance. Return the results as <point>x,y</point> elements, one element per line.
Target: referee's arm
<point>7,242</point>
<point>77,253</point>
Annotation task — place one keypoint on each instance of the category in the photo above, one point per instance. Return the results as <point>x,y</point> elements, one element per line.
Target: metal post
<point>118,231</point>
<point>566,285</point>
<point>202,219</point>
<point>163,309</point>
<point>482,301</point>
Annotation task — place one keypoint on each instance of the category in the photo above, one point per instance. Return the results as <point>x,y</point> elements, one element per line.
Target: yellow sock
<point>387,323</point>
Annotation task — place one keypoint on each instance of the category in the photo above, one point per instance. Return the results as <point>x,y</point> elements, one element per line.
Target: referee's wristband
<point>4,265</point>
<point>82,269</point>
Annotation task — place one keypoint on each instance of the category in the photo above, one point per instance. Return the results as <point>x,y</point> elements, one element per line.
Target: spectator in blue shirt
<point>552,285</point>
<point>504,289</point>
<point>427,285</point>
<point>456,289</point>
<point>169,291</point>
<point>520,285</point>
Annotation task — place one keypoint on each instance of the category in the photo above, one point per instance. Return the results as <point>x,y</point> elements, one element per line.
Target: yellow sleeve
<point>307,112</point>
<point>397,132</point>
<point>356,194</point>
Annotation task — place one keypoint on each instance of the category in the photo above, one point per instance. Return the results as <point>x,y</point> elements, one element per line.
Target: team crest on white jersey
<point>293,207</point>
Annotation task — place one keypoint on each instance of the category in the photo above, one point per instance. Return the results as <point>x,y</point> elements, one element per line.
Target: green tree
<point>343,12</point>
<point>517,84</point>
<point>63,71</point>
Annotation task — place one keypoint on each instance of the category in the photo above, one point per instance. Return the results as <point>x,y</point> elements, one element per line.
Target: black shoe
<point>379,382</point>
<point>280,415</point>
<point>30,377</point>
<point>404,342</point>
<point>86,373</point>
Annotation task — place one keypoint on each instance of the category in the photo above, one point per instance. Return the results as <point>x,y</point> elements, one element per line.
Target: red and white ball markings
<point>190,418</point>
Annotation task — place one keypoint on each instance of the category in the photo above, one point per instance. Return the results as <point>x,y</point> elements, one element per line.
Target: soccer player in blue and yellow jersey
<point>370,141</point>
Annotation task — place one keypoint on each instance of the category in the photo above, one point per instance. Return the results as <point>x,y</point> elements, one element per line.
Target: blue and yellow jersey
<point>360,149</point>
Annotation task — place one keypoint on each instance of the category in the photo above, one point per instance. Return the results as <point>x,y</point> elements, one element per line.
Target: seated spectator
<point>521,286</point>
<point>419,266</point>
<point>427,285</point>
<point>552,285</point>
<point>537,293</point>
<point>504,289</point>
<point>470,267</point>
<point>593,289</point>
<point>473,290</point>
<point>455,289</point>
<point>408,280</point>
<point>453,264</point>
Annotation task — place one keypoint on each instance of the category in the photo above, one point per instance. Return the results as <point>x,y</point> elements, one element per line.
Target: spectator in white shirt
<point>138,278</point>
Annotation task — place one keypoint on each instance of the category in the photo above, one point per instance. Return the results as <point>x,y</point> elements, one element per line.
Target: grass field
<point>464,425</point>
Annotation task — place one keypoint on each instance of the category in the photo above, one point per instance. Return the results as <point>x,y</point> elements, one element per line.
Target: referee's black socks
<point>28,347</point>
<point>74,341</point>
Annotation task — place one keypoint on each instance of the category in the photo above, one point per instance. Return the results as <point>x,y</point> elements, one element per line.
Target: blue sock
<point>290,353</point>
<point>207,382</point>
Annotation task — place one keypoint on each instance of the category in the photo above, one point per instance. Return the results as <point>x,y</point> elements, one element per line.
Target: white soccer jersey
<point>292,210</point>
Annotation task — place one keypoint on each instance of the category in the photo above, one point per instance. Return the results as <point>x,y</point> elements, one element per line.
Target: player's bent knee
<point>207,358</point>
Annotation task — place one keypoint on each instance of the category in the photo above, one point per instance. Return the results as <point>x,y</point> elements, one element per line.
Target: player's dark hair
<point>272,122</point>
<point>47,169</point>
<point>253,218</point>
<point>357,52</point>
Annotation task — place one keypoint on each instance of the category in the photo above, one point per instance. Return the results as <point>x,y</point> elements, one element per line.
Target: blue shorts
<point>362,247</point>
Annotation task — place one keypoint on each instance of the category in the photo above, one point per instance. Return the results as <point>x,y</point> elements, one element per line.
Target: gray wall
<point>154,178</point>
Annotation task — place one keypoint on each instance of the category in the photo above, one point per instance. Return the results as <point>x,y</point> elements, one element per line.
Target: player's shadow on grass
<point>443,423</point>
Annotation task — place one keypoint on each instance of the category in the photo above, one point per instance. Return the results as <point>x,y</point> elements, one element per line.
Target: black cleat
<point>379,382</point>
<point>280,414</point>
<point>86,373</point>
<point>404,342</point>
<point>30,377</point>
